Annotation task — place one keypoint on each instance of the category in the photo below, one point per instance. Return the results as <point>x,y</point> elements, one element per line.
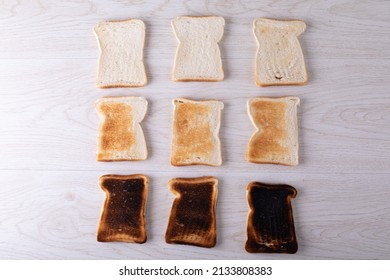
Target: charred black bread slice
<point>270,227</point>
<point>123,213</point>
<point>192,218</point>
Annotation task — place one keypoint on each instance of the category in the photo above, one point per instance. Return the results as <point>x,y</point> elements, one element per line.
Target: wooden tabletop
<point>50,200</point>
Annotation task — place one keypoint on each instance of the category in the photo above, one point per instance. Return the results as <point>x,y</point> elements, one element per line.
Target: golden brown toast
<point>192,219</point>
<point>195,137</point>
<point>276,137</point>
<point>123,213</point>
<point>120,135</point>
<point>270,227</point>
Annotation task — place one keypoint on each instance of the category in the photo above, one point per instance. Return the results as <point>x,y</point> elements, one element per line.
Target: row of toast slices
<point>192,221</point>
<point>279,57</point>
<point>195,131</point>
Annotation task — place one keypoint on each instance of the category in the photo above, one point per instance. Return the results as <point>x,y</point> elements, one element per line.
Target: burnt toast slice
<point>192,219</point>
<point>270,227</point>
<point>123,213</point>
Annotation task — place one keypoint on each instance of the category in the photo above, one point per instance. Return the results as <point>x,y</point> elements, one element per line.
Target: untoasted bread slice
<point>198,57</point>
<point>279,58</point>
<point>275,140</point>
<point>121,136</point>
<point>270,226</point>
<point>121,46</point>
<point>195,132</point>
<point>123,213</point>
<point>192,219</point>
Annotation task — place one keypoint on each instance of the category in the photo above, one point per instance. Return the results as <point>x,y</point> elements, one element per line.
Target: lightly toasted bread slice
<point>275,140</point>
<point>270,227</point>
<point>198,57</point>
<point>121,45</point>
<point>120,134</point>
<point>123,213</point>
<point>192,219</point>
<point>195,132</point>
<point>279,57</point>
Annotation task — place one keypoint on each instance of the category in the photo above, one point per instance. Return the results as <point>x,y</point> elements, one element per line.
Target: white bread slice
<point>195,132</point>
<point>120,134</point>
<point>279,58</point>
<point>198,57</point>
<point>275,140</point>
<point>121,46</point>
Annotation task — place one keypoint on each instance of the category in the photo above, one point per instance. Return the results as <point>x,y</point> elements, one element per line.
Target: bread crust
<point>196,80</point>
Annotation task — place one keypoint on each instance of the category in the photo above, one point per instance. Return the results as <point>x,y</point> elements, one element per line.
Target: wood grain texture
<point>51,201</point>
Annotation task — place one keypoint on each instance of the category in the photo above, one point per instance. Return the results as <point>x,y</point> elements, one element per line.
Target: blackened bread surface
<point>192,219</point>
<point>123,213</point>
<point>270,227</point>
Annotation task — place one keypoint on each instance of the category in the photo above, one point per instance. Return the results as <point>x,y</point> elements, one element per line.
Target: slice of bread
<point>121,45</point>
<point>270,227</point>
<point>275,140</point>
<point>120,134</point>
<point>192,219</point>
<point>195,132</point>
<point>198,57</point>
<point>123,213</point>
<point>279,58</point>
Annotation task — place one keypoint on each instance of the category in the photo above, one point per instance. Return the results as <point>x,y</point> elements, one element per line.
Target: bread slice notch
<point>279,57</point>
<point>270,227</point>
<point>275,140</point>
<point>120,134</point>
<point>198,57</point>
<point>123,213</point>
<point>195,132</point>
<point>192,219</point>
<point>121,45</point>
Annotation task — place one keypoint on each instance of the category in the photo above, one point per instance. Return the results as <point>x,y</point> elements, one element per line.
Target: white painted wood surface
<point>50,201</point>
